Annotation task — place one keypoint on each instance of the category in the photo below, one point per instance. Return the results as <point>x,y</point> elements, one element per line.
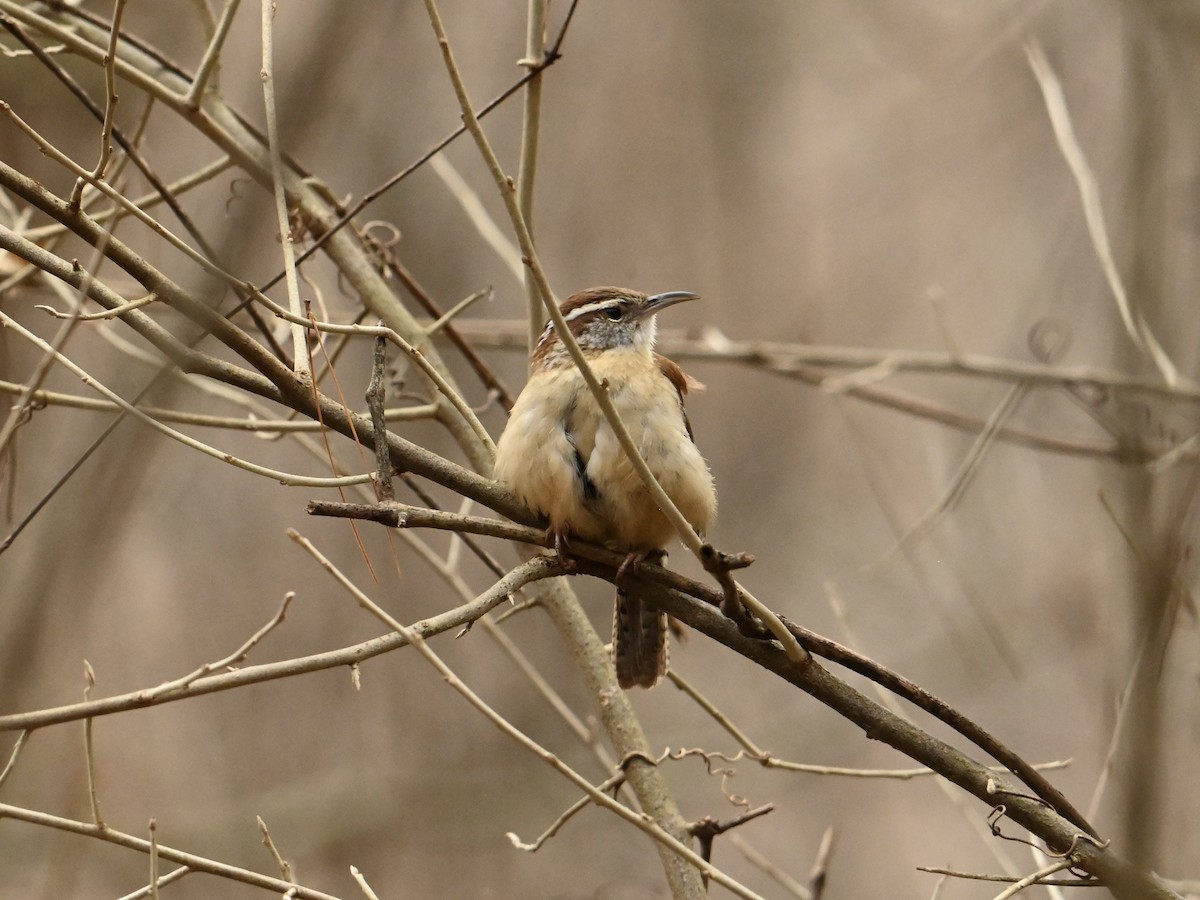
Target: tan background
<point>867,174</point>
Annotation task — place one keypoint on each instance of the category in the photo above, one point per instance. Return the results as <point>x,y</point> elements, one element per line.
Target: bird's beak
<point>658,302</point>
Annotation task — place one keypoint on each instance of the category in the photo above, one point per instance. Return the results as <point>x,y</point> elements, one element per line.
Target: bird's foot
<point>558,536</point>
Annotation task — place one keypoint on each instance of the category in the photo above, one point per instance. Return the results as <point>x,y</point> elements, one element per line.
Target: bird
<point>560,456</point>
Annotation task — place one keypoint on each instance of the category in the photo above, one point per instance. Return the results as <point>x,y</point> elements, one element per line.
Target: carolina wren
<point>559,454</point>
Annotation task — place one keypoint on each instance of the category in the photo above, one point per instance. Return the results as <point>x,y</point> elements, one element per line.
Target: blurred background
<point>880,175</point>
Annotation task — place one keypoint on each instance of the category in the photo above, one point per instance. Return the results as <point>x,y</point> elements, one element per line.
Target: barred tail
<point>639,642</point>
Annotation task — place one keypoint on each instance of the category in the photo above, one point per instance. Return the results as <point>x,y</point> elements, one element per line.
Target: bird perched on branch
<point>561,457</point>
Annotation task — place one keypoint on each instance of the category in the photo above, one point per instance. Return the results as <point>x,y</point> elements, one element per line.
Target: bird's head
<point>607,318</point>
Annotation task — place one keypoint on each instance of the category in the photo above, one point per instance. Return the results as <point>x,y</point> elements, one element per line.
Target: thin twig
<point>283,477</point>
<point>485,372</point>
<point>662,500</point>
<point>522,575</point>
<point>1048,346</point>
<point>89,681</point>
<point>212,55</point>
<point>1123,705</point>
<point>1006,879</point>
<point>146,201</point>
<point>719,717</point>
<point>236,656</point>
<point>535,40</point>
<point>163,880</point>
<point>461,306</point>
<point>399,515</point>
<point>99,316</point>
<point>110,107</point>
<point>766,759</point>
<point>413,353</point>
<point>491,628</point>
<point>376,399</point>
<point>553,55</point>
<point>51,350</point>
<point>473,206</point>
<point>1118,729</point>
<point>154,859</point>
<point>966,470</point>
<point>643,823</point>
<point>191,861</point>
<point>12,759</point>
<point>1068,143</point>
<point>362,883</point>
<point>706,830</point>
<point>1033,878</point>
<point>782,878</point>
<point>1040,859</point>
<point>566,816</point>
<point>285,867</point>
<point>234,423</point>
<point>300,349</point>
<point>820,871</point>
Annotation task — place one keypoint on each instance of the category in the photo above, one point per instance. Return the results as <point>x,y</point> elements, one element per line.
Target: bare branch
<point>254,468</point>
<point>110,107</point>
<point>597,796</point>
<point>191,861</point>
<point>154,859</point>
<point>12,759</point>
<point>362,883</point>
<point>285,867</point>
<point>236,656</point>
<point>163,880</point>
<point>555,826</point>
<point>1060,118</point>
<point>499,592</point>
<point>881,724</point>
<point>1033,878</point>
<point>212,55</point>
<point>89,749</point>
<point>782,878</point>
<point>300,348</point>
<point>1006,879</point>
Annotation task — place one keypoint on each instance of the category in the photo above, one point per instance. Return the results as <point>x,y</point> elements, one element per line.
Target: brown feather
<point>683,383</point>
<point>549,345</point>
<point>682,380</point>
<point>640,649</point>
<point>550,454</point>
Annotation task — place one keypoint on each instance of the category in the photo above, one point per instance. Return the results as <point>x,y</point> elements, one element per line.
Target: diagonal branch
<point>603,563</point>
<point>192,861</point>
<point>648,824</point>
<point>687,535</point>
<point>524,574</point>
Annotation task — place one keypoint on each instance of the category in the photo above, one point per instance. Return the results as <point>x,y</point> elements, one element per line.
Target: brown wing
<point>683,383</point>
<point>682,380</point>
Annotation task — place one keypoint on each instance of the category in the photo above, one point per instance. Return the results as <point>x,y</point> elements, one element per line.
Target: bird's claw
<point>558,537</point>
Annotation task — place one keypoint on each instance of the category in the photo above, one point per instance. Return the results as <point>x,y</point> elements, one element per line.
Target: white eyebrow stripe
<point>577,312</point>
<point>590,308</point>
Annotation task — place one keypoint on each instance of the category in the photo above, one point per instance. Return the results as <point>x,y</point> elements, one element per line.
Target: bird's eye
<point>614,312</point>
